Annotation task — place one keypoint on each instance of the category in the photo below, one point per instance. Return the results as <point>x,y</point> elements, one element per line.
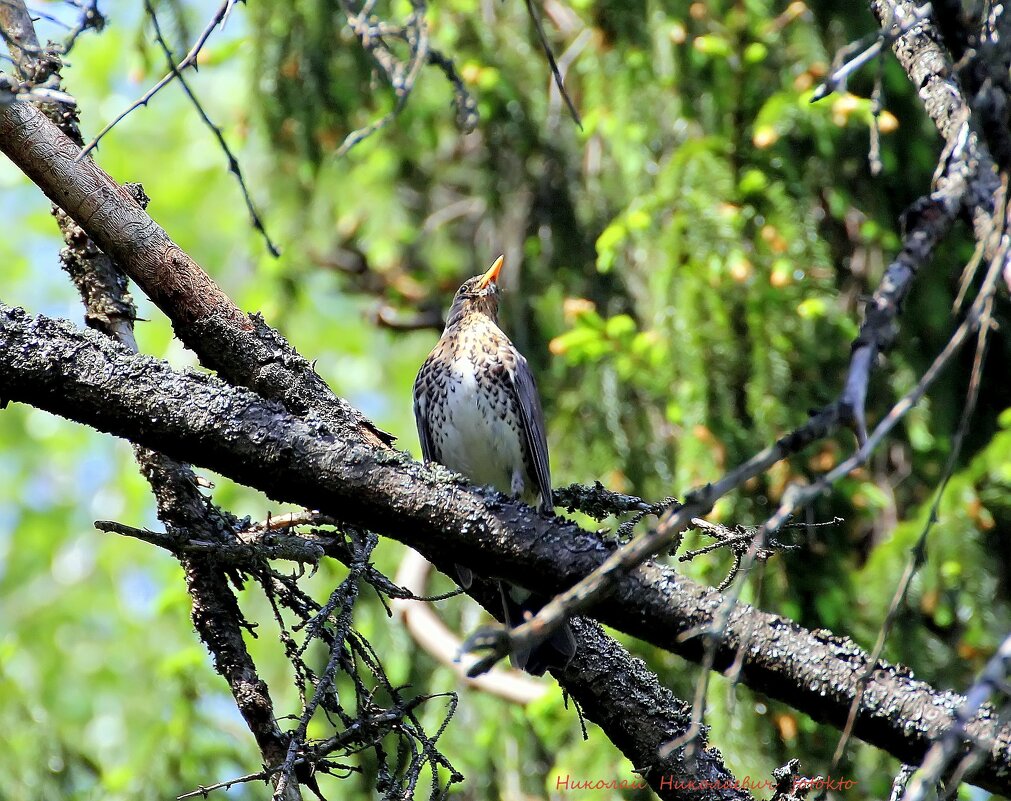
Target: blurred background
<point>684,273</point>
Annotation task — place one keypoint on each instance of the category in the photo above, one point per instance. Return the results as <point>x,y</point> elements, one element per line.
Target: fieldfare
<point>478,412</point>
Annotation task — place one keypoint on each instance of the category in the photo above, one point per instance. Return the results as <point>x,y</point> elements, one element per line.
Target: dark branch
<point>258,443</point>
<point>233,162</point>
<point>243,349</point>
<point>555,72</point>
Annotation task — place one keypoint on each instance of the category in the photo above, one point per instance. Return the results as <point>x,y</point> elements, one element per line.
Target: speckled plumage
<point>476,403</point>
<point>478,412</point>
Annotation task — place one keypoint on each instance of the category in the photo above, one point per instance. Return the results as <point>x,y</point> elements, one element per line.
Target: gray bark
<point>198,418</point>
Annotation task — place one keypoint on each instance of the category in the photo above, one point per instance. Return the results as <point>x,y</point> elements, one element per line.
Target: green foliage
<point>683,273</point>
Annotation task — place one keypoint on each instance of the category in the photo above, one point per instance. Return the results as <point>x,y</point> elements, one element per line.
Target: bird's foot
<point>494,639</point>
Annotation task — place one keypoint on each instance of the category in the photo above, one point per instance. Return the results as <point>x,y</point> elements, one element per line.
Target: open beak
<point>491,276</point>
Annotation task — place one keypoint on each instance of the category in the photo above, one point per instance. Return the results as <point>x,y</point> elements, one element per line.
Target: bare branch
<point>258,443</point>
<point>245,551</point>
<point>555,72</point>
<point>233,162</point>
<point>205,791</point>
<point>431,634</point>
<point>372,35</point>
<point>241,348</point>
<point>189,60</point>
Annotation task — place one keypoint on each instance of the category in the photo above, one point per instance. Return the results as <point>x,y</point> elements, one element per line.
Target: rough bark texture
<point>966,181</point>
<point>923,56</point>
<point>196,417</point>
<point>216,616</point>
<point>242,349</point>
<point>624,698</point>
<point>181,506</point>
<point>618,692</point>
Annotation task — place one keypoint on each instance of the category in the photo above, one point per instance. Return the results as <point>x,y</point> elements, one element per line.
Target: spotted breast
<point>478,412</point>
<point>466,393</point>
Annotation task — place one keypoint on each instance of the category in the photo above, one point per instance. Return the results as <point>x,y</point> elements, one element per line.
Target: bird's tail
<point>556,651</point>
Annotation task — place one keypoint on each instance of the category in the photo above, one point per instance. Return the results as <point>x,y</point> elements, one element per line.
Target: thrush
<point>478,413</point>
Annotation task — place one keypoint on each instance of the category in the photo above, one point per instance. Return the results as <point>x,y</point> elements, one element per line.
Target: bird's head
<point>478,294</point>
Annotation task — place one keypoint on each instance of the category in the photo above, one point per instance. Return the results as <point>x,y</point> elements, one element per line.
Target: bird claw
<point>494,639</point>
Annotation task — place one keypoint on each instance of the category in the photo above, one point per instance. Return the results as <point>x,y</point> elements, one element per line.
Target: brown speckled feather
<point>505,393</point>
<point>478,412</point>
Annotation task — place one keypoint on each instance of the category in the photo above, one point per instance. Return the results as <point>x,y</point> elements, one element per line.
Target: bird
<point>478,413</point>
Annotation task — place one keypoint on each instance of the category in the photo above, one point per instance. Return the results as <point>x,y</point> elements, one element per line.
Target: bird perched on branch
<point>478,412</point>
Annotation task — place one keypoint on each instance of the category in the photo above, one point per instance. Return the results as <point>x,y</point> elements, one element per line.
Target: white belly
<point>479,439</point>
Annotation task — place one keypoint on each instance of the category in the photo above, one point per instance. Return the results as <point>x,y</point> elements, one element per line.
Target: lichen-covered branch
<point>259,443</point>
<point>241,348</point>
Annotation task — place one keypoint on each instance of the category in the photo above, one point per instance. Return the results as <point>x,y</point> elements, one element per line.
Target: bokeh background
<point>685,274</point>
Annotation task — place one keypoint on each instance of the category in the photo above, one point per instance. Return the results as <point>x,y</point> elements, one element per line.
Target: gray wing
<point>532,418</point>
<point>421,419</point>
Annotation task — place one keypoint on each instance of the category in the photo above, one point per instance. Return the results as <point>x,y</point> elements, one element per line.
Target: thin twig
<point>919,552</point>
<point>205,790</point>
<point>346,594</point>
<point>233,162</point>
<point>189,61</point>
<point>546,47</point>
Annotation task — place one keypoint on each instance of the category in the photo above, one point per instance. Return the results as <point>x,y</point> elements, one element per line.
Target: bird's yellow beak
<point>491,276</point>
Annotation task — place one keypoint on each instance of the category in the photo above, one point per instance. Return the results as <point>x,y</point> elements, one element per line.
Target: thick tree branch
<point>618,692</point>
<point>181,507</point>
<point>215,615</point>
<point>258,443</point>
<point>922,53</point>
<point>243,349</point>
